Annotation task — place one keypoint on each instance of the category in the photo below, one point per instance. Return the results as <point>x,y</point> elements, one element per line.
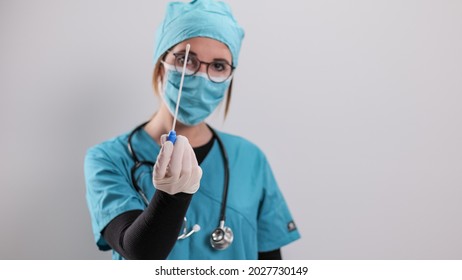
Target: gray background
<point>357,105</point>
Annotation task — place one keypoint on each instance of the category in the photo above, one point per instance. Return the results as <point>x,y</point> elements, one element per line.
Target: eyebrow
<point>215,59</point>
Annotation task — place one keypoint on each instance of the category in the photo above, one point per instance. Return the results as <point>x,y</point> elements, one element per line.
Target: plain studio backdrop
<point>357,105</point>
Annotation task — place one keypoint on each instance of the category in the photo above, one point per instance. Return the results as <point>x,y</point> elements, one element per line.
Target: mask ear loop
<point>165,68</point>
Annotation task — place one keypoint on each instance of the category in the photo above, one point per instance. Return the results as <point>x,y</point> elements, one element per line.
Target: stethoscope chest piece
<point>221,237</point>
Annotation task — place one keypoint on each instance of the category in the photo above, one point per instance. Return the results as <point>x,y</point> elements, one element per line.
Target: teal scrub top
<point>256,210</point>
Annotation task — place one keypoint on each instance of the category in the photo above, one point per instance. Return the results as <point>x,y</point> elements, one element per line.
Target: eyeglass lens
<point>217,71</point>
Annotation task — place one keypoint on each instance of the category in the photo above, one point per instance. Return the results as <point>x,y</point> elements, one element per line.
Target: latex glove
<point>176,169</point>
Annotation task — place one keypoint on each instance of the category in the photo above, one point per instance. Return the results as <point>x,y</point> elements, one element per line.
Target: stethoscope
<point>222,236</point>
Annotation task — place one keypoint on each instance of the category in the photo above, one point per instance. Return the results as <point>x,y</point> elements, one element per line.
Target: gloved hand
<point>176,169</point>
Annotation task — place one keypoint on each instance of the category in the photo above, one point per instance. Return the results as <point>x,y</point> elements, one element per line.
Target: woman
<point>209,195</point>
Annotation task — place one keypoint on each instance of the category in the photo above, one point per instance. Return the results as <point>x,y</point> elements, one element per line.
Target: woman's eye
<point>180,60</point>
<point>218,66</point>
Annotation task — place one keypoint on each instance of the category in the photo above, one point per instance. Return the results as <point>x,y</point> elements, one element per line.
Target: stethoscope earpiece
<point>186,234</point>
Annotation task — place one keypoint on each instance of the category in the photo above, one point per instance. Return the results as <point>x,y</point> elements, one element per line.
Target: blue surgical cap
<point>198,18</point>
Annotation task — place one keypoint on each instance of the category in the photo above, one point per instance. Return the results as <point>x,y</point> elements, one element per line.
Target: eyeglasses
<point>218,71</point>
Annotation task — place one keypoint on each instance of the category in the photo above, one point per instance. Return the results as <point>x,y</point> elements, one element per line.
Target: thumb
<point>163,159</point>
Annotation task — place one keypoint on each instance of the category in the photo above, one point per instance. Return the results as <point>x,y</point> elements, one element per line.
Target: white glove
<point>176,169</point>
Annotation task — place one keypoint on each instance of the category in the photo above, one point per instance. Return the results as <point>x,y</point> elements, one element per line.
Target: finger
<point>163,138</point>
<point>194,180</point>
<point>176,162</point>
<point>187,164</point>
<point>163,160</point>
<point>186,169</point>
<point>194,163</point>
<point>196,174</point>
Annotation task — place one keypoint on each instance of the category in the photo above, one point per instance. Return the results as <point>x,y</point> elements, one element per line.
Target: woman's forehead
<point>205,48</point>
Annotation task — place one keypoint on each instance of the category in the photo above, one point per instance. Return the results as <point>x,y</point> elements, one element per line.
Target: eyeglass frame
<point>200,63</point>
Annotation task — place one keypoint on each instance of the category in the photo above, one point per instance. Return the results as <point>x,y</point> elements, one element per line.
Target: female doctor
<point>209,195</point>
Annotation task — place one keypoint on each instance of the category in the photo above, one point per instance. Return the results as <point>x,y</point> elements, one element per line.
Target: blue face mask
<point>199,96</point>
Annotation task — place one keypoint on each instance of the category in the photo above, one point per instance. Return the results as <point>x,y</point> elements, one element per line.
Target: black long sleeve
<point>152,233</point>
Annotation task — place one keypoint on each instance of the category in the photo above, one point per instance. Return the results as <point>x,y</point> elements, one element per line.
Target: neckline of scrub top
<point>146,138</point>
<point>146,146</point>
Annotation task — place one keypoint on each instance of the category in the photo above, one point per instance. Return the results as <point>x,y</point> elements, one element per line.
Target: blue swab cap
<point>198,18</point>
